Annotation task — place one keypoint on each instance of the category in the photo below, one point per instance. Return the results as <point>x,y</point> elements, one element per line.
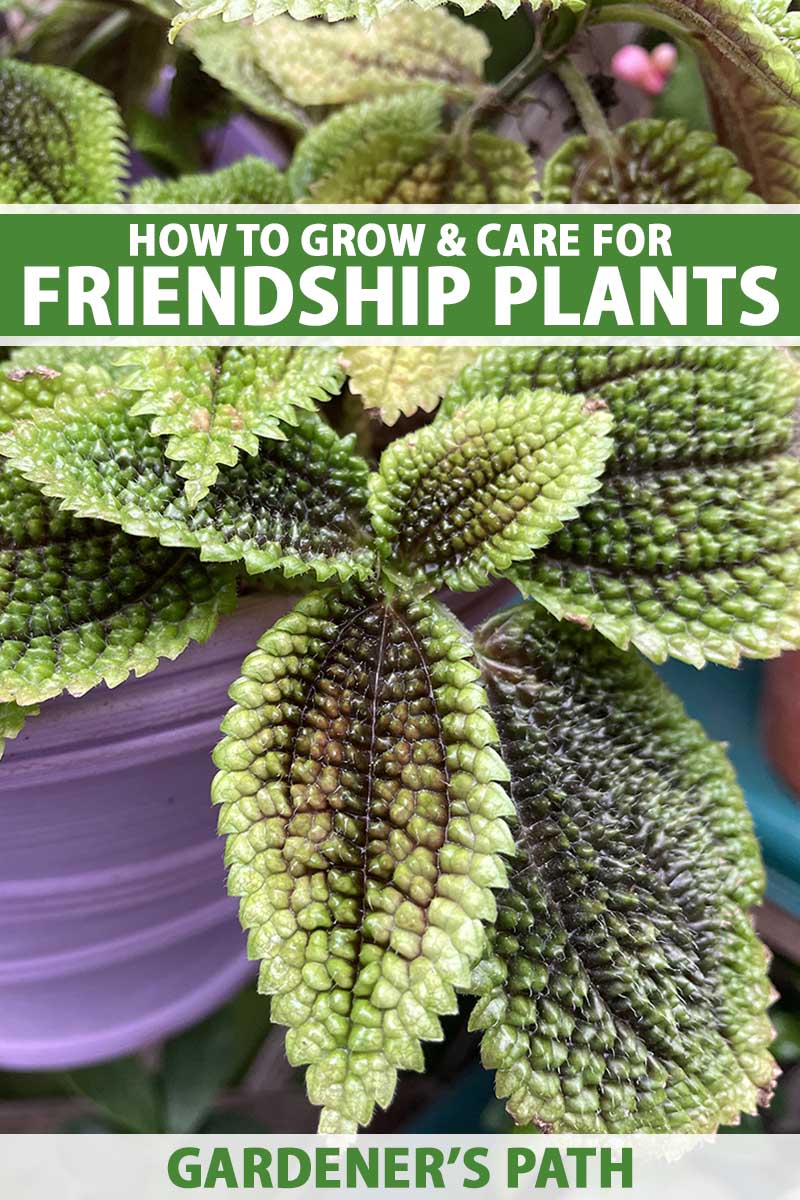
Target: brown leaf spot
<point>594,404</point>
<point>235,417</point>
<point>20,373</point>
<point>201,420</point>
<point>579,619</point>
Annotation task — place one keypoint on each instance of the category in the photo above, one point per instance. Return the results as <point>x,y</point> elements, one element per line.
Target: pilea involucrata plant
<point>524,813</point>
<point>390,101</point>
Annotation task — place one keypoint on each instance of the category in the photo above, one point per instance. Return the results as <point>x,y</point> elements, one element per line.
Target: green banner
<point>394,274</point>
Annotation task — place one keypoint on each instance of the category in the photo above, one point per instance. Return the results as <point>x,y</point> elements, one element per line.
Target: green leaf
<point>249,181</point>
<point>784,24</point>
<point>410,120</point>
<point>460,501</point>
<point>239,57</point>
<point>752,79</point>
<point>392,151</point>
<point>123,1091</point>
<point>627,990</point>
<point>174,147</point>
<point>396,381</point>
<point>652,162</point>
<point>60,138</point>
<point>83,603</point>
<point>366,11</point>
<point>338,64</point>
<point>32,379</point>
<point>198,1063</point>
<point>119,48</point>
<point>213,402</point>
<point>298,506</point>
<point>692,546</point>
<point>12,720</point>
<point>361,796</point>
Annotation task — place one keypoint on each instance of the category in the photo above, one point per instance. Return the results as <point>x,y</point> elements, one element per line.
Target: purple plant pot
<point>242,135</point>
<point>115,928</point>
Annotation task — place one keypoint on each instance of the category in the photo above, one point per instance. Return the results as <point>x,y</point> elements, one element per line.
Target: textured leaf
<point>627,988</point>
<point>213,402</point>
<point>82,603</point>
<point>298,506</point>
<point>692,546</point>
<point>782,22</point>
<point>410,120</point>
<point>238,57</point>
<point>337,64</point>
<point>249,181</point>
<point>653,162</point>
<point>366,11</point>
<point>462,500</point>
<point>12,720</point>
<point>60,138</point>
<point>32,380</point>
<point>401,380</point>
<point>361,798</point>
<point>753,83</point>
<point>392,151</point>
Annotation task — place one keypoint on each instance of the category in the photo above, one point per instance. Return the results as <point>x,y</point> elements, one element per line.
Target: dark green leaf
<point>205,1058</point>
<point>627,989</point>
<point>123,1091</point>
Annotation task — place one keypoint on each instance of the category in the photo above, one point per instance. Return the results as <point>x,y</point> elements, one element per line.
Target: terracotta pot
<point>781,717</point>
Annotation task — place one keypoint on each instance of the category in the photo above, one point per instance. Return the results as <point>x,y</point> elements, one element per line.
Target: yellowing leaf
<point>400,380</point>
<point>338,64</point>
<point>366,11</point>
<point>393,150</point>
<point>298,506</point>
<point>12,720</point>
<point>238,57</point>
<point>212,402</point>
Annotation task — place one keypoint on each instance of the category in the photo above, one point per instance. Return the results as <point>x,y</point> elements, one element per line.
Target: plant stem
<point>591,115</point>
<point>495,99</point>
<point>551,39</point>
<point>640,14</point>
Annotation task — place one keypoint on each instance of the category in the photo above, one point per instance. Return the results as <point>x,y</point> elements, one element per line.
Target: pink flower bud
<point>630,64</point>
<point>652,81</point>
<point>664,57</point>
